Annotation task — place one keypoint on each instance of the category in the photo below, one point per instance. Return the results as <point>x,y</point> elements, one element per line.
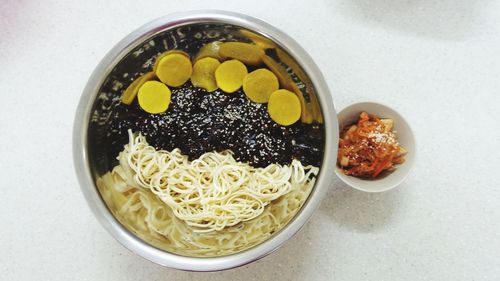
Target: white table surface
<point>437,62</point>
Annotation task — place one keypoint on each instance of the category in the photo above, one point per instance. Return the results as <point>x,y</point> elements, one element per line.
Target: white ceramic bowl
<point>404,134</point>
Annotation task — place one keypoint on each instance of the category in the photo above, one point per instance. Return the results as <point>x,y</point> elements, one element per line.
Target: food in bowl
<point>217,146</point>
<point>369,147</point>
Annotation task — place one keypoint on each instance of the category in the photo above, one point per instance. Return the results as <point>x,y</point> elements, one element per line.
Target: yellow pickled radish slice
<point>247,53</point>
<point>306,116</point>
<point>174,69</point>
<point>154,97</point>
<point>286,82</point>
<point>209,50</point>
<point>259,40</point>
<point>166,54</point>
<point>316,108</point>
<point>130,93</point>
<point>259,84</point>
<point>280,72</point>
<point>204,74</point>
<point>229,75</point>
<point>284,107</point>
<point>314,111</point>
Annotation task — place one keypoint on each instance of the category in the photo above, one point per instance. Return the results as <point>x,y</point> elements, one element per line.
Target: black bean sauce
<point>198,122</point>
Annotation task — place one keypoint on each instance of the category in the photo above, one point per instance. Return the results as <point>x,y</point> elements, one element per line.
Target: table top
<point>436,62</point>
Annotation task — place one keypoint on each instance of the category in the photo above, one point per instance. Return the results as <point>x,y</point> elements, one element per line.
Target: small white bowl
<point>404,134</point>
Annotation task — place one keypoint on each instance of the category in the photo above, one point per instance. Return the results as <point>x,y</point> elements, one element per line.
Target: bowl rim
<point>87,183</point>
<point>410,132</point>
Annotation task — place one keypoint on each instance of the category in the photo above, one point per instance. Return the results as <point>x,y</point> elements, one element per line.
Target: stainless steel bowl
<point>101,91</point>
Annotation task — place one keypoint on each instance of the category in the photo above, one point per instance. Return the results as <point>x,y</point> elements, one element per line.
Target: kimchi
<point>369,147</point>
